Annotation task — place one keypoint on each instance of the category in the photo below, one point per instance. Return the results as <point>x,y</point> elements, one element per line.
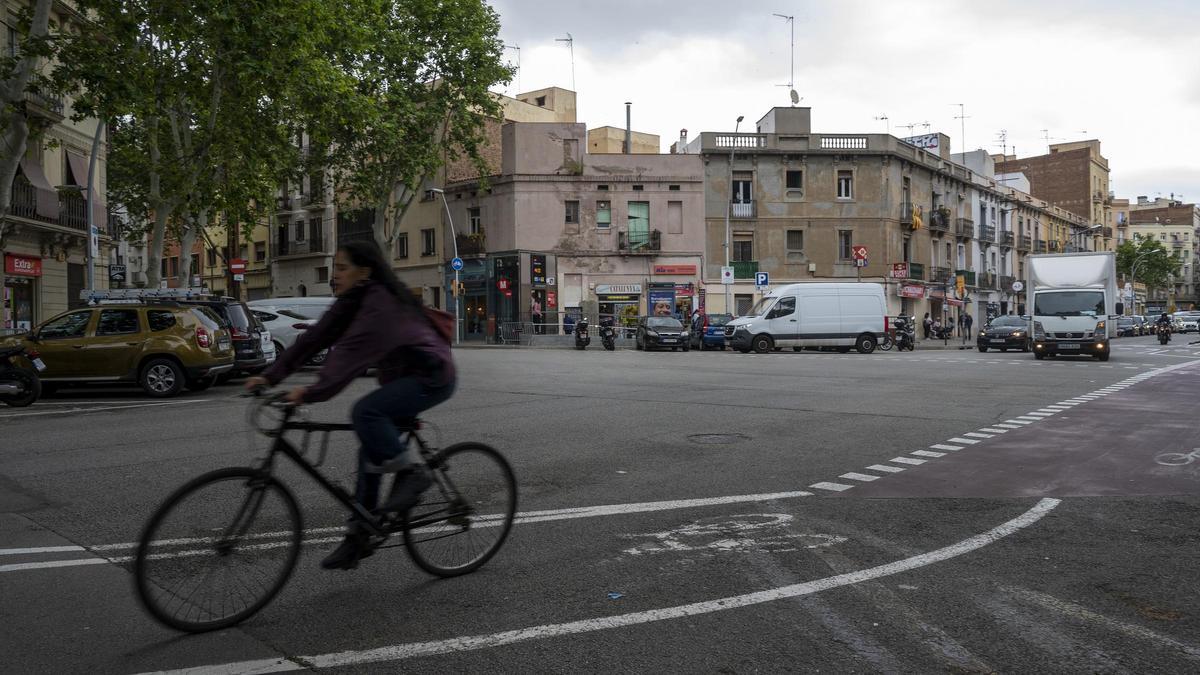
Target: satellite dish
<point>795,97</point>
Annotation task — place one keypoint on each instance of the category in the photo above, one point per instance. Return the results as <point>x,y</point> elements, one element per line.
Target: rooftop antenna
<point>962,118</point>
<point>518,51</point>
<point>887,123</point>
<point>1047,137</point>
<point>926,125</point>
<point>1003,138</point>
<point>792,72</point>
<point>570,45</point>
<point>909,126</point>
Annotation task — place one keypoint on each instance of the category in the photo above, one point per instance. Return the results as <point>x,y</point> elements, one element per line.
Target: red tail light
<point>32,353</point>
<point>238,333</point>
<point>202,337</point>
<point>300,326</point>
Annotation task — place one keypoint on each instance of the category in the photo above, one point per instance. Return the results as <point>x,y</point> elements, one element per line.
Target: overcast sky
<point>1126,73</point>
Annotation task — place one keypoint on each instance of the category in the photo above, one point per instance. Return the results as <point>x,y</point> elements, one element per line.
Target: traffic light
<point>458,289</point>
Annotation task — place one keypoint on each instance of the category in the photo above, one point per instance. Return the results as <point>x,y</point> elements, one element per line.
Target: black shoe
<point>407,489</point>
<point>346,556</point>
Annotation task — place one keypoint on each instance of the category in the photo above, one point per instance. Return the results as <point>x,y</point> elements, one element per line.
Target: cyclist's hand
<point>256,383</point>
<point>296,396</point>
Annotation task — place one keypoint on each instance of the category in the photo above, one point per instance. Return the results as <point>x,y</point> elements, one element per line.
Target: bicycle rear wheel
<point>463,520</point>
<point>886,342</point>
<point>217,550</point>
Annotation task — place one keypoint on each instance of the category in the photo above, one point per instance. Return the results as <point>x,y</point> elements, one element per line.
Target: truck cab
<point>1073,304</point>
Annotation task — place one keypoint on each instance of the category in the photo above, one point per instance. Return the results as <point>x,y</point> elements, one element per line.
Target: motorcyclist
<point>1163,321</point>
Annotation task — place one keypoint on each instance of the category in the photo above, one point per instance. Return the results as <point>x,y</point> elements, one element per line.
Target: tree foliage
<point>1154,263</point>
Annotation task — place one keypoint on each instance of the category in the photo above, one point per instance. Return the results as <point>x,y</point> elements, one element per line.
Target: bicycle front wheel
<point>886,343</point>
<point>217,550</point>
<point>463,520</point>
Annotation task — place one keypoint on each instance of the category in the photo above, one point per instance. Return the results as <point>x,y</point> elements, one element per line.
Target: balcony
<point>1178,243</point>
<point>1006,283</point>
<point>313,202</point>
<point>471,244</point>
<point>46,106</point>
<point>72,210</point>
<point>307,247</point>
<point>987,234</point>
<point>1006,239</point>
<point>906,214</point>
<point>989,280</point>
<point>968,276</point>
<point>639,243</point>
<point>916,271</point>
<point>939,275</point>
<point>741,209</point>
<point>744,269</point>
<point>1106,232</point>
<point>1040,246</point>
<point>939,221</point>
<point>1055,246</point>
<point>1024,242</point>
<point>287,204</point>
<point>964,228</point>
<point>1097,197</point>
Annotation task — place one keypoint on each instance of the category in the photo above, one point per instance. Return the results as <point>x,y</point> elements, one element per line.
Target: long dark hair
<point>365,253</point>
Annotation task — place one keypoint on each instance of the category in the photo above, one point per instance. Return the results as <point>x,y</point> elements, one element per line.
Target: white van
<point>311,307</point>
<point>813,315</point>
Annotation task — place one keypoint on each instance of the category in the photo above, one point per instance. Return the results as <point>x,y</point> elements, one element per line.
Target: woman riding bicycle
<point>375,322</point>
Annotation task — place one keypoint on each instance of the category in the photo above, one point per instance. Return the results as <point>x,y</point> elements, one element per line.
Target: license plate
<point>223,343</point>
<point>667,341</point>
<point>37,363</point>
<point>998,342</point>
<point>1068,345</point>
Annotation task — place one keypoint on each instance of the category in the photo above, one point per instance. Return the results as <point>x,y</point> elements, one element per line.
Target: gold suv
<point>161,346</point>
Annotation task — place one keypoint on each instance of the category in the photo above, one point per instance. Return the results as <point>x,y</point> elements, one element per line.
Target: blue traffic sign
<point>760,278</point>
<point>456,264</point>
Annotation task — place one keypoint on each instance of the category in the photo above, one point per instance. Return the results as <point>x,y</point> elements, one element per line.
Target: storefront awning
<point>47,198</point>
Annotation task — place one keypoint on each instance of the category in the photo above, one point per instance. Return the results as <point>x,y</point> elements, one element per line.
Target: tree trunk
<point>191,234</point>
<point>154,247</point>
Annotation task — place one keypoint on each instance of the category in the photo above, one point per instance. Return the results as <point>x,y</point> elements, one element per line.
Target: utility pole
<point>570,45</point>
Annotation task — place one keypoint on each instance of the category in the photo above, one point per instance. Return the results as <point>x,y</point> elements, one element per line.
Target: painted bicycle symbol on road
<point>1178,458</point>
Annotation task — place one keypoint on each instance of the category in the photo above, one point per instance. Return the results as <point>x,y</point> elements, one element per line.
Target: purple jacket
<point>368,327</point>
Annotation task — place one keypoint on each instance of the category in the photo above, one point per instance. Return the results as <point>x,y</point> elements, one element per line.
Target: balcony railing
<point>72,210</point>
<point>906,213</point>
<point>1024,242</point>
<point>1005,238</point>
<point>1006,282</point>
<point>1097,197</point>
<point>306,247</point>
<point>964,227</point>
<point>471,244</point>
<point>1106,232</point>
<point>744,269</point>
<point>740,140</point>
<point>916,271</point>
<point>939,221</point>
<point>640,242</point>
<point>741,209</point>
<point>1178,243</point>
<point>988,233</point>
<point>939,275</point>
<point>1040,246</point>
<point>988,280</point>
<point>24,199</point>
<point>968,276</point>
<point>1055,246</point>
<point>44,105</point>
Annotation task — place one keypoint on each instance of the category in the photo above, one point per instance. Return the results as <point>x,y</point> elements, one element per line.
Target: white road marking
<point>964,441</point>
<point>928,453</point>
<point>1030,418</point>
<point>885,468</point>
<point>859,477</point>
<point>832,487</point>
<point>943,446</point>
<point>976,434</point>
<point>907,460</point>
<point>1038,414</point>
<point>18,567</point>
<point>1009,426</point>
<point>88,410</point>
<point>1016,421</point>
<point>44,549</point>
<point>994,431</point>
<point>399,652</point>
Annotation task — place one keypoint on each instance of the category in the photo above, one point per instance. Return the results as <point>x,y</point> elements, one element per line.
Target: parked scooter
<point>608,334</point>
<point>19,386</point>
<point>906,333</point>
<point>582,337</point>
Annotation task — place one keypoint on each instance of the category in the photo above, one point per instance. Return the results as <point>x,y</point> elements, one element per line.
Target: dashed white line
<point>885,468</point>
<point>832,487</point>
<point>907,460</point>
<point>928,453</point>
<point>943,446</point>
<point>859,477</point>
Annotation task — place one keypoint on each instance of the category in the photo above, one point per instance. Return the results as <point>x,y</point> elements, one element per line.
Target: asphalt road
<point>936,511</point>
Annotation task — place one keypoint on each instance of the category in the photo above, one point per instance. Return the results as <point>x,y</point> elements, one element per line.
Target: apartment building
<point>45,245</point>
<point>576,233</point>
<point>1176,225</point>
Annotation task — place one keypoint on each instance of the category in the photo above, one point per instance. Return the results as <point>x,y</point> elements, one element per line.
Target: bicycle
<point>239,528</point>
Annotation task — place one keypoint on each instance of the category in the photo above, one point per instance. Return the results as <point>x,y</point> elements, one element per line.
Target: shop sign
<point>619,289</point>
<point>675,269</point>
<point>912,291</point>
<point>117,273</point>
<point>619,297</point>
<point>19,265</point>
<point>683,290</point>
<point>900,270</point>
<point>537,270</point>
<point>551,299</point>
<point>662,302</point>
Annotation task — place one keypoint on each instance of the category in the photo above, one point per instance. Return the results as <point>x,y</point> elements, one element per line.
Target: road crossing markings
<point>976,434</point>
<point>990,430</point>
<point>1009,426</point>
<point>964,441</point>
<point>943,446</point>
<point>832,487</point>
<point>859,477</point>
<point>885,468</point>
<point>927,453</point>
<point>907,460</point>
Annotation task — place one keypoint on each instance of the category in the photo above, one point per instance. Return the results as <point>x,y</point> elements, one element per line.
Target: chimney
<point>682,137</point>
<point>628,128</point>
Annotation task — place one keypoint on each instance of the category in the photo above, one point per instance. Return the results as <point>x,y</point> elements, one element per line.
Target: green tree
<point>422,71</point>
<point>1154,264</point>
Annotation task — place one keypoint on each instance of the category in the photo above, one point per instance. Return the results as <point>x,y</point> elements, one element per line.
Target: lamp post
<point>1133,271</point>
<point>457,295</point>
<point>728,208</point>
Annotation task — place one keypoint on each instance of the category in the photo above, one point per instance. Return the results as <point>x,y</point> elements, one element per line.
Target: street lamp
<point>1133,273</point>
<point>453,238</point>
<point>728,208</point>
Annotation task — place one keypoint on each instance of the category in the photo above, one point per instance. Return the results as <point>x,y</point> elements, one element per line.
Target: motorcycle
<point>608,335</point>
<point>906,333</point>
<point>582,338</point>
<point>19,386</point>
<point>1164,334</point>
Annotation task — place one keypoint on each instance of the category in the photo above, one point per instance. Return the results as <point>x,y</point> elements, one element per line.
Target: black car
<point>1005,333</point>
<point>665,332</point>
<point>1127,327</point>
<point>245,329</point>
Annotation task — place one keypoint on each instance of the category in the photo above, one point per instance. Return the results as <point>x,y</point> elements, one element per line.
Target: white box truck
<point>842,315</point>
<point>1072,303</point>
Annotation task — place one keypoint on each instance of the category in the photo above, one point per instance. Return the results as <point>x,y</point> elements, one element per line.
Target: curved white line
<point>470,643</point>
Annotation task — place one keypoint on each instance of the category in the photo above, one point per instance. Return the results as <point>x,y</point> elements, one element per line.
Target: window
<point>795,179</point>
<point>316,234</point>
<point>428,242</point>
<point>174,267</point>
<point>540,101</point>
<point>638,188</point>
<point>602,188</point>
<point>785,307</point>
<point>743,190</point>
<point>603,215</point>
<point>845,184</point>
<point>675,217</point>
<point>845,245</point>
<point>743,250</point>
<point>323,275</point>
<point>163,263</point>
<point>639,224</point>
<point>475,220</point>
<point>212,257</point>
<point>572,211</point>
<point>673,188</point>
<point>159,319</point>
<point>244,252</point>
<point>260,251</point>
<point>70,326</point>
<point>117,322</point>
<point>402,245</point>
<point>795,240</point>
<point>299,235</point>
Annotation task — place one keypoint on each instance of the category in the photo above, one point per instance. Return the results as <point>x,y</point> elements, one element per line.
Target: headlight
<point>684,334</point>
<point>651,333</point>
<point>1101,326</point>
<point>741,329</point>
<point>982,333</point>
<point>1039,331</point>
<point>1017,333</point>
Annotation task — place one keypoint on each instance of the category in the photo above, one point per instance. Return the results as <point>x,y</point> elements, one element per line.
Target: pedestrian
<point>968,322</point>
<point>535,312</point>
<point>927,324</point>
<point>568,323</point>
<point>962,325</point>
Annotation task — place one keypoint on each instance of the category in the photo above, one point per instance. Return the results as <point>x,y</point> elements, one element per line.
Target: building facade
<point>1176,225</point>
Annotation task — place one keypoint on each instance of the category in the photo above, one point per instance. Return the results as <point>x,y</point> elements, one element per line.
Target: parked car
<point>1127,326</point>
<point>1141,326</point>
<point>251,340</point>
<point>161,346</point>
<point>708,331</point>
<point>307,307</point>
<point>838,315</point>
<point>661,332</point>
<point>1188,321</point>
<point>285,326</point>
<point>1004,333</point>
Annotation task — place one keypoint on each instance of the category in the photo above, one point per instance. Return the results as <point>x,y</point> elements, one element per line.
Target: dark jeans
<point>373,417</point>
